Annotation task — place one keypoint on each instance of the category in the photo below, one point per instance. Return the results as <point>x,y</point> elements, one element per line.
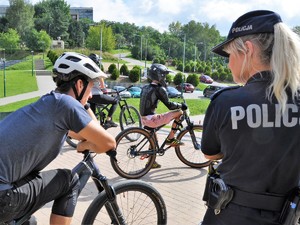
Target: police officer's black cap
<point>254,22</point>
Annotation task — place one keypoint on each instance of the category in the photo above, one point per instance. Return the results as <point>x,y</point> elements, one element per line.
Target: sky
<point>160,13</point>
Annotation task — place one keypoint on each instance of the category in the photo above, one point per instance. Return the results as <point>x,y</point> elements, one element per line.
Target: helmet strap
<point>85,84</point>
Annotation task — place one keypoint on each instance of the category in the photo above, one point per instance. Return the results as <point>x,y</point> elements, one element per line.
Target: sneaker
<point>155,165</point>
<point>110,123</point>
<point>173,142</point>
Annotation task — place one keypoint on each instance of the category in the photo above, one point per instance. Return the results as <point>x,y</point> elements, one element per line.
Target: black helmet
<point>158,72</point>
<point>95,58</point>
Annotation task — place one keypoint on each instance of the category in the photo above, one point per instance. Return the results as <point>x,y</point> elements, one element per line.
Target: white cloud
<point>160,13</point>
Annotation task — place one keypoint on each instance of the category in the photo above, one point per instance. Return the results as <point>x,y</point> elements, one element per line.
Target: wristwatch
<point>87,106</point>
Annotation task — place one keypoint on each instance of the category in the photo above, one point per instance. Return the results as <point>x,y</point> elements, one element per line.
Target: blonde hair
<point>280,51</point>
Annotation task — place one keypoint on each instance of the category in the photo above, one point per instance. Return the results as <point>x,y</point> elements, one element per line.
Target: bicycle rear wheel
<point>188,153</point>
<point>139,202</point>
<point>134,158</point>
<point>130,117</point>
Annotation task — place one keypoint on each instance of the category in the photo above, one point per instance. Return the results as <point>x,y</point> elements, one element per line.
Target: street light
<point>4,73</point>
<point>32,63</point>
<point>141,56</point>
<point>183,63</point>
<point>101,32</point>
<point>204,44</point>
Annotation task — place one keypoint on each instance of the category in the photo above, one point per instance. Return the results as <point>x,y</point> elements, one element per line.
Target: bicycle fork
<point>111,206</point>
<point>197,145</point>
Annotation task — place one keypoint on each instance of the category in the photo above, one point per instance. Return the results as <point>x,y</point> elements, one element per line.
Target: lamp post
<point>204,44</point>
<point>4,75</point>
<point>195,58</point>
<point>183,63</point>
<point>100,55</point>
<point>32,63</point>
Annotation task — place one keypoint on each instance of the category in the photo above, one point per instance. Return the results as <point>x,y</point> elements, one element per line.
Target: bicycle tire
<point>130,161</point>
<point>139,202</point>
<point>130,117</point>
<point>72,142</point>
<point>187,152</point>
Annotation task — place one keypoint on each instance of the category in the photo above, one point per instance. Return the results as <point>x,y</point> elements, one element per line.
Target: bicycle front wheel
<point>190,153</point>
<point>139,202</point>
<point>134,158</point>
<point>129,117</point>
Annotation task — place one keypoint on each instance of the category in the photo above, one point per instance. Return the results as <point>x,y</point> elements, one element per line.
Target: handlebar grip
<point>112,154</point>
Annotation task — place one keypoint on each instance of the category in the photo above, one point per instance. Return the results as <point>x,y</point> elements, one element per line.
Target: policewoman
<point>254,128</point>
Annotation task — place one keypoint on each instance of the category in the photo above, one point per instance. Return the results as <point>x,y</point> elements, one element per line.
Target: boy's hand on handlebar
<point>184,106</point>
<point>112,154</point>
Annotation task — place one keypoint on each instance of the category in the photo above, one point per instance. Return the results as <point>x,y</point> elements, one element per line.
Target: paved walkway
<point>181,186</point>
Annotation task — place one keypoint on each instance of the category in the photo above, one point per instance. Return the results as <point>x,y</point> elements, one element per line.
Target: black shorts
<point>33,192</point>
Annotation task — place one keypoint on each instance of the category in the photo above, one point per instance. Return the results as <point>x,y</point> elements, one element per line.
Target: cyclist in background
<point>33,136</point>
<point>100,98</point>
<point>150,96</point>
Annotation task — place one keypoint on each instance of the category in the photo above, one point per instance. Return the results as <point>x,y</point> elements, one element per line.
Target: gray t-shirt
<point>32,136</point>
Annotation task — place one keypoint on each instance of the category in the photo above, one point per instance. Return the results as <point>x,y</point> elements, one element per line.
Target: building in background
<point>3,10</point>
<point>77,13</point>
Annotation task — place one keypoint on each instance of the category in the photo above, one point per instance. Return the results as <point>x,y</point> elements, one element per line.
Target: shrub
<point>115,74</point>
<point>134,74</point>
<point>124,70</point>
<point>193,79</point>
<point>111,68</point>
<point>215,76</point>
<point>178,78</point>
<point>169,78</point>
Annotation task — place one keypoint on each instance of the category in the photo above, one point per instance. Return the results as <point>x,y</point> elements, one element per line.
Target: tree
<point>3,24</point>
<point>94,37</point>
<point>54,17</point>
<point>37,41</point>
<point>20,16</point>
<point>10,39</point>
<point>76,34</point>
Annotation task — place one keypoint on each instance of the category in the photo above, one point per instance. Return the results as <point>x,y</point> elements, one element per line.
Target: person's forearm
<point>91,113</point>
<point>214,157</point>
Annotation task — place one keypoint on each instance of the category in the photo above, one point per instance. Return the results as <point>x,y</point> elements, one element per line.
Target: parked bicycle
<point>129,116</point>
<point>135,158</point>
<point>126,202</point>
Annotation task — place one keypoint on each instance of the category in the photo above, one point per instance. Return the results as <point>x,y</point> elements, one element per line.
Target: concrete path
<point>181,186</point>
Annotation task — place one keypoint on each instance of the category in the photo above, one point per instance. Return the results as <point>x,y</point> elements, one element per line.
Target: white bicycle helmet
<point>71,64</point>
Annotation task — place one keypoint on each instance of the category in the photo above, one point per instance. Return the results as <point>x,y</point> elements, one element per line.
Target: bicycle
<point>131,157</point>
<point>126,202</point>
<point>129,116</point>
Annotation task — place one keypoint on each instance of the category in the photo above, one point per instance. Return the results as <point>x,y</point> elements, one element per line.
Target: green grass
<point>17,82</point>
<point>16,105</point>
<point>196,106</point>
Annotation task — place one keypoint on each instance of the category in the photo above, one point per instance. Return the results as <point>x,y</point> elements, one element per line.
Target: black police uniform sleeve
<point>210,142</point>
<point>163,96</point>
<point>217,93</point>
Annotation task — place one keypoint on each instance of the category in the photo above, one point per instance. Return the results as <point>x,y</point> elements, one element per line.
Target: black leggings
<point>104,99</point>
<point>34,191</point>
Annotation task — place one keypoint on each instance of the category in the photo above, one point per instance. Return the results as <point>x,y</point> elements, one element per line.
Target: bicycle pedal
<point>144,157</point>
